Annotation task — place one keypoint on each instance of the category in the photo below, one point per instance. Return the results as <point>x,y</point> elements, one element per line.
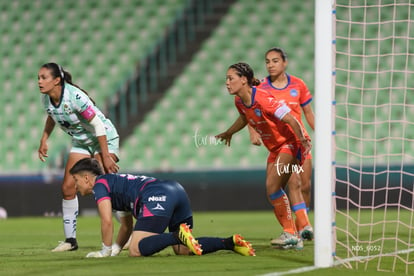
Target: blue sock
<point>277,194</point>
<point>210,245</point>
<point>153,244</point>
<point>299,206</point>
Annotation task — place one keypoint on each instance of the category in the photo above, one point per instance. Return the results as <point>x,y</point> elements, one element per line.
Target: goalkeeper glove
<point>105,252</point>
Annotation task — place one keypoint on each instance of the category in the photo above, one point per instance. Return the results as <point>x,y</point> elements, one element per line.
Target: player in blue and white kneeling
<point>156,204</point>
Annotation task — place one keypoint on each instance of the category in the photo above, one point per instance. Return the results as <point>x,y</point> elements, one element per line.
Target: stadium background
<point>157,69</point>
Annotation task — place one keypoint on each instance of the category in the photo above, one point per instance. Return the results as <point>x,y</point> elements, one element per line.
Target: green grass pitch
<point>25,245</point>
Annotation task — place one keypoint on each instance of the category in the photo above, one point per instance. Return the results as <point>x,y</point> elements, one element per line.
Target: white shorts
<point>93,149</point>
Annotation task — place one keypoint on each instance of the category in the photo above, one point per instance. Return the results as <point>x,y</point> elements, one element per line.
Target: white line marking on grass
<point>293,271</point>
<point>337,262</point>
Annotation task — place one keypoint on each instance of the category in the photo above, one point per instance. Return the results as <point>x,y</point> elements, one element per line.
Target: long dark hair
<point>244,69</point>
<point>58,72</point>
<point>87,165</point>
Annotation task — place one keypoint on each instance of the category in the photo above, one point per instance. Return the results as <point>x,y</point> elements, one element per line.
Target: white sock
<point>70,210</point>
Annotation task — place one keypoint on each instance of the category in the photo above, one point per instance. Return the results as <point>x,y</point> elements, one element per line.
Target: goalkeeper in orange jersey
<point>282,134</point>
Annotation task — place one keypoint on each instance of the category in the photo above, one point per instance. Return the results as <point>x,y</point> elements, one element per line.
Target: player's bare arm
<point>107,227</point>
<point>43,148</point>
<point>297,129</point>
<point>254,136</point>
<point>105,212</point>
<point>125,230</point>
<point>239,124</point>
<point>108,162</point>
<point>310,118</point>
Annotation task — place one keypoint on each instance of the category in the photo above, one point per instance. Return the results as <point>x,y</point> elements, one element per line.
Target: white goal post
<point>364,134</point>
<point>323,134</point>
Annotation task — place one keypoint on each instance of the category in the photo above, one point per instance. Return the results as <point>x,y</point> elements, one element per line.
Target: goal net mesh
<point>374,134</point>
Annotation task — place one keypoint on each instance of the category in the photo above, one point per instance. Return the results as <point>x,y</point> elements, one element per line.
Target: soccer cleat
<point>285,239</point>
<point>69,244</point>
<point>299,245</point>
<point>186,237</point>
<point>242,247</point>
<point>306,233</point>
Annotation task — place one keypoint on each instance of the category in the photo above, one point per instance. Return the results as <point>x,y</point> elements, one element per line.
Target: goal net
<point>374,134</point>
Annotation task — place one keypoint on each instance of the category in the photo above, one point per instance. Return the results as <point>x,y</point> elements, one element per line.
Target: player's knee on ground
<point>136,237</point>
<point>134,251</point>
<point>180,249</point>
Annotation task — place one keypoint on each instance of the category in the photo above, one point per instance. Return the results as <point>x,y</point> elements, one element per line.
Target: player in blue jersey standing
<point>156,204</point>
<point>93,135</point>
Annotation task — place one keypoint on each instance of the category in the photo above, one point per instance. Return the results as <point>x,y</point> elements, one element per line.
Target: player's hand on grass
<point>105,252</point>
<point>116,249</point>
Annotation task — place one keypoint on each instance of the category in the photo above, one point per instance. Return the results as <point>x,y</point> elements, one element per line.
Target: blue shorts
<point>163,204</point>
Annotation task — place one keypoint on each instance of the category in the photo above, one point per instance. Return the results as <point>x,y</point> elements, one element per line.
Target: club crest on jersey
<point>258,112</point>
<point>67,109</point>
<point>294,92</point>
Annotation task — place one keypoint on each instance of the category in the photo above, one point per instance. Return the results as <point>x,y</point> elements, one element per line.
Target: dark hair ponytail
<point>58,72</point>
<point>244,69</point>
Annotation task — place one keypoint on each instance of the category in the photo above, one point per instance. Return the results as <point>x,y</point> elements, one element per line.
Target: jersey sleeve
<point>101,190</point>
<point>274,108</point>
<point>82,104</point>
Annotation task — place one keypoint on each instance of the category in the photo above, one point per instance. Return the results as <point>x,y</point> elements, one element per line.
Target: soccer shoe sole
<point>242,247</point>
<point>65,246</point>
<point>186,237</point>
<point>288,241</point>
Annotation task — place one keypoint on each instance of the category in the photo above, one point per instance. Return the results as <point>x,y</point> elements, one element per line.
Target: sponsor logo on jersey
<point>158,207</point>
<point>294,92</point>
<point>288,146</point>
<point>258,112</point>
<point>157,198</point>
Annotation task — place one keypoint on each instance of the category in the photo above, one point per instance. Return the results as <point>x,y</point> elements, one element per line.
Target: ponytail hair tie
<point>62,75</point>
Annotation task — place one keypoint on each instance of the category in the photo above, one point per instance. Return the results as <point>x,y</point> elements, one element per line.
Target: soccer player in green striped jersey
<point>93,135</point>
